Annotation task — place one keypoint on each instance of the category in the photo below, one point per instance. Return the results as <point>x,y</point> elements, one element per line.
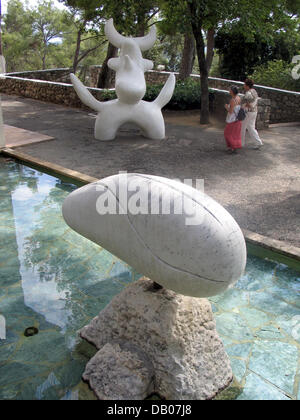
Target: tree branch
<point>84,54</point>
<point>92,37</point>
<point>152,16</point>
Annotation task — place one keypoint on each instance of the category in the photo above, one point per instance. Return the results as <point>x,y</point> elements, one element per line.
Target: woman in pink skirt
<point>233,129</point>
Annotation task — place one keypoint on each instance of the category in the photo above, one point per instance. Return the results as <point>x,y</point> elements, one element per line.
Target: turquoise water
<point>55,280</point>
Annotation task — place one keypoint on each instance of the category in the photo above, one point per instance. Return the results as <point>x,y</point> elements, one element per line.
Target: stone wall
<point>218,111</point>
<point>64,94</point>
<point>285,105</point>
<point>57,93</point>
<point>51,75</point>
<point>152,76</point>
<point>281,105</point>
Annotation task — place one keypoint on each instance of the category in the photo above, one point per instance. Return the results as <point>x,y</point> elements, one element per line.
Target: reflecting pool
<point>56,281</point>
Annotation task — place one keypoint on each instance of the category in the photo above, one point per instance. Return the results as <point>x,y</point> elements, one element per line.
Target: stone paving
<point>18,137</point>
<point>55,280</point>
<point>261,189</point>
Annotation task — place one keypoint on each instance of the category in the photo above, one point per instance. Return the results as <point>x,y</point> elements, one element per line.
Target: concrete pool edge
<point>270,244</point>
<point>281,247</point>
<point>48,166</point>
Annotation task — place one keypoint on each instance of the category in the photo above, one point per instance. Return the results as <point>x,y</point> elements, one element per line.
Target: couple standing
<point>235,130</point>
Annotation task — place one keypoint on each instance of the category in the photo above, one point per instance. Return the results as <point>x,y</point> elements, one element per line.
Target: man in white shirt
<point>249,103</point>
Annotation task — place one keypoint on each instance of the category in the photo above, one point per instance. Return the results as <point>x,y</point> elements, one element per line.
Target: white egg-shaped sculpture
<point>172,233</point>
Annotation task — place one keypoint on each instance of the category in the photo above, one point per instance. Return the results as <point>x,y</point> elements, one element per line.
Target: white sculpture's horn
<point>145,42</point>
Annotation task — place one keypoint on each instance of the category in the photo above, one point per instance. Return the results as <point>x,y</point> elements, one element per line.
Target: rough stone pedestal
<point>158,341</point>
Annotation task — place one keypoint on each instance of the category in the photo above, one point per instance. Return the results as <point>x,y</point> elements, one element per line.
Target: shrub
<point>277,74</point>
<point>108,95</point>
<point>187,95</point>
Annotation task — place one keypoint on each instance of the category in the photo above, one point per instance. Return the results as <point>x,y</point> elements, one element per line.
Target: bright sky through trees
<point>31,3</point>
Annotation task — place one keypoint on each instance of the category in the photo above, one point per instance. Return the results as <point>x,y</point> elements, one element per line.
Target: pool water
<point>56,281</point>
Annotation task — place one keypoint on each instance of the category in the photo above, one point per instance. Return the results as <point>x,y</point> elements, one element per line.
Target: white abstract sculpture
<point>200,251</point>
<point>130,67</point>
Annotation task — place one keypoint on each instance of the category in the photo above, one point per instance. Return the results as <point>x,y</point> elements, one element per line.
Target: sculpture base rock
<point>156,341</point>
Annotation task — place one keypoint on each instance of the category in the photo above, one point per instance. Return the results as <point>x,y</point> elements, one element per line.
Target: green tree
<point>18,40</point>
<point>43,36</point>
<point>83,38</point>
<point>31,34</point>
<point>276,73</point>
<point>206,16</point>
<point>280,41</point>
<point>48,25</point>
<point>203,17</point>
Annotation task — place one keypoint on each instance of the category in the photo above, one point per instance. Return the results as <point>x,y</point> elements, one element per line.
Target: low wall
<point>64,94</point>
<point>51,75</point>
<point>57,93</point>
<point>285,104</point>
<point>152,76</point>
<point>218,111</point>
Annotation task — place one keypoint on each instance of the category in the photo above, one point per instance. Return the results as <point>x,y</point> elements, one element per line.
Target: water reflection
<point>58,268</point>
<point>34,209</point>
<point>50,278</point>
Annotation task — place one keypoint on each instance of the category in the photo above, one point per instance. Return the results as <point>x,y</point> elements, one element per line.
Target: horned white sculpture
<point>130,67</point>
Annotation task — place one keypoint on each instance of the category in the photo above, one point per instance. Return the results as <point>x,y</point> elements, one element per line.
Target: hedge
<point>187,95</point>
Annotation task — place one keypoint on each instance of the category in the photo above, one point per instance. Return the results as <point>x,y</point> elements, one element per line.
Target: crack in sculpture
<point>130,67</point>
